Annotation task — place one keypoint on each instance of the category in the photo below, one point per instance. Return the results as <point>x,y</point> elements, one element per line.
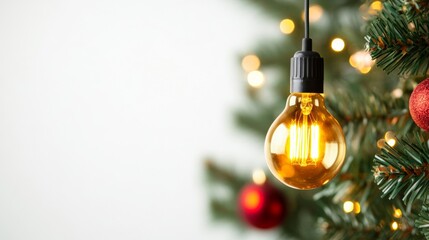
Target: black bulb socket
<point>306,70</point>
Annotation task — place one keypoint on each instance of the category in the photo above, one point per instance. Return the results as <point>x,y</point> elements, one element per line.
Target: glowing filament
<point>314,142</point>
<point>304,143</point>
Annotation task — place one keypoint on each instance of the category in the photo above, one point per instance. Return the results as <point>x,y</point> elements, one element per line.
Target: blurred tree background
<point>376,53</point>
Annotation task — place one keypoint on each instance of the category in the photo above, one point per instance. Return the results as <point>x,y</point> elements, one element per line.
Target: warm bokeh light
<point>376,6</point>
<point>348,206</point>
<point>380,143</point>
<point>250,63</point>
<point>397,93</point>
<point>364,70</point>
<point>259,177</point>
<point>394,226</point>
<point>362,61</point>
<point>287,26</point>
<point>255,79</point>
<point>411,26</point>
<point>397,213</point>
<point>315,13</point>
<point>338,44</point>
<point>356,207</point>
<point>391,142</point>
<point>390,138</point>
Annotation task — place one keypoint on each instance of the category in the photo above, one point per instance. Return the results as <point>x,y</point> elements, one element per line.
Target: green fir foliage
<point>399,37</point>
<point>423,221</point>
<point>403,169</point>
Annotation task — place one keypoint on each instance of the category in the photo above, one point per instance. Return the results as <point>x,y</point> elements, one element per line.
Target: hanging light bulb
<point>305,145</point>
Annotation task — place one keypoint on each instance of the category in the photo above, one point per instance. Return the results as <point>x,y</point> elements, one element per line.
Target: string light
<point>362,61</point>
<point>250,63</point>
<point>397,213</point>
<point>338,44</point>
<point>390,138</point>
<point>380,143</point>
<point>391,142</point>
<point>397,93</point>
<point>316,12</point>
<point>394,226</point>
<point>356,207</point>
<point>376,6</point>
<point>287,26</point>
<point>348,206</point>
<point>411,26</point>
<point>255,79</point>
<point>259,177</point>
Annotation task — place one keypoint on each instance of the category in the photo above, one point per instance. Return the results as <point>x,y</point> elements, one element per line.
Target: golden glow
<point>304,140</point>
<point>391,142</point>
<point>255,79</point>
<point>397,213</point>
<point>287,26</point>
<point>252,200</point>
<point>348,206</point>
<point>293,147</point>
<point>365,70</point>
<point>376,6</point>
<point>305,146</point>
<point>362,61</point>
<point>338,44</point>
<point>259,177</point>
<point>380,143</point>
<point>397,93</point>
<point>394,226</point>
<point>357,208</point>
<point>250,63</point>
<point>315,133</point>
<point>411,26</point>
<point>315,13</point>
<point>390,138</point>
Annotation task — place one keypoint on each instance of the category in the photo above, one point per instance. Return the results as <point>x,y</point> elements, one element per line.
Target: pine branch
<point>365,225</point>
<point>423,221</point>
<point>258,120</point>
<point>372,222</point>
<point>363,103</point>
<point>399,37</point>
<point>365,116</point>
<point>219,174</point>
<point>404,169</point>
<point>224,185</point>
<point>414,8</point>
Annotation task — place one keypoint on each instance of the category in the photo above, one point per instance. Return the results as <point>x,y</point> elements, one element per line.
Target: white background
<point>107,110</point>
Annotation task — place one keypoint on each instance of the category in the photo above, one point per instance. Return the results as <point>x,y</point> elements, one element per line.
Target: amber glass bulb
<point>305,146</point>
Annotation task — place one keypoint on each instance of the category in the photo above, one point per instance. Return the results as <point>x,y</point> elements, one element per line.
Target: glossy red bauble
<point>419,105</point>
<point>262,206</point>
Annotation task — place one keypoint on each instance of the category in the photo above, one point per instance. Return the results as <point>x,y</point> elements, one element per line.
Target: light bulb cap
<point>306,72</point>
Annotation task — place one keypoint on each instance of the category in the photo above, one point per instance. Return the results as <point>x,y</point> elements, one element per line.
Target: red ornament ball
<point>262,206</point>
<point>419,105</point>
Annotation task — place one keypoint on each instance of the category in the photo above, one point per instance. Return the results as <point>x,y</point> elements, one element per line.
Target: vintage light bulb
<point>305,145</point>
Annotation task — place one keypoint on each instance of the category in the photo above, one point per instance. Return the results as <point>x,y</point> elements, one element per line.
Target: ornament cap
<point>306,71</point>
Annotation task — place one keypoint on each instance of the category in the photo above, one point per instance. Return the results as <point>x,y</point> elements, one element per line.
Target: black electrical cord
<point>306,20</point>
<point>306,41</point>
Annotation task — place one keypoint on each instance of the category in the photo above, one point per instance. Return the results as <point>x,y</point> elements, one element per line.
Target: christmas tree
<point>376,62</point>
